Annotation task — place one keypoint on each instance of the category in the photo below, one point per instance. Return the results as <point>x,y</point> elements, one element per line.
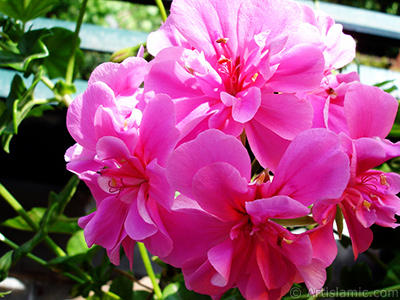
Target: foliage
<point>118,14</point>
<point>387,6</point>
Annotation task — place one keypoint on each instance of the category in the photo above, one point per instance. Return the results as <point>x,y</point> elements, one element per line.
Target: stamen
<point>190,70</point>
<point>254,77</point>
<point>331,92</point>
<point>383,180</point>
<point>367,204</point>
<point>114,187</point>
<point>223,60</point>
<point>222,40</point>
<point>283,239</point>
<point>279,241</point>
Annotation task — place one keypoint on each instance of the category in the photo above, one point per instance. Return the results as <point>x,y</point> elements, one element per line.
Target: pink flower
<point>363,116</point>
<point>339,49</point>
<point>227,231</point>
<point>234,66</point>
<point>121,153</point>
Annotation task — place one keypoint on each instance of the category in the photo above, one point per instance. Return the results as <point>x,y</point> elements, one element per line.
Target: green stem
<point>47,82</point>
<point>149,269</point>
<point>37,259</point>
<point>21,211</point>
<point>162,9</point>
<point>131,278</point>
<point>40,101</point>
<point>111,295</point>
<point>69,75</point>
<point>316,3</point>
<point>15,246</point>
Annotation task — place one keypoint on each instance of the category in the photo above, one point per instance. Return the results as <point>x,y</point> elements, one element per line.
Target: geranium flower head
<point>234,66</point>
<point>227,230</point>
<point>121,153</point>
<point>363,116</point>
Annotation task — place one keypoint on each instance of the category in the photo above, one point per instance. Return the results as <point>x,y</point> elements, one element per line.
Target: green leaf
<point>30,47</point>
<point>392,276</point>
<point>66,194</point>
<point>77,244</point>
<point>38,110</point>
<point>178,291</point>
<point>62,88</point>
<point>3,107</point>
<point>339,221</point>
<point>60,47</point>
<point>13,29</point>
<point>19,103</point>
<point>63,224</point>
<point>5,264</point>
<point>141,295</point>
<point>18,90</point>
<point>25,10</point>
<point>122,287</point>
<point>2,294</point>
<point>19,223</point>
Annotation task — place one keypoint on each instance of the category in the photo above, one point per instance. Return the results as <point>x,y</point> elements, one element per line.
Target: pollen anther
<point>223,60</point>
<point>222,40</point>
<point>383,180</point>
<point>367,204</point>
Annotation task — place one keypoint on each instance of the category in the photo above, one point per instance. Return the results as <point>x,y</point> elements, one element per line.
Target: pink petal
<point>361,237</point>
<point>123,78</point>
<point>193,233</point>
<point>158,134</point>
<point>246,105</point>
<point>105,227</point>
<point>202,23</point>
<point>82,111</point>
<point>159,189</point>
<point>369,111</point>
<point>209,147</point>
<point>221,190</point>
<point>301,69</point>
<point>305,171</point>
<point>323,243</point>
<point>138,223</point>
<point>285,114</point>
<point>267,146</point>
<point>199,274</point>
<point>128,244</point>
<point>278,207</point>
<point>168,77</point>
<point>220,257</point>
<point>371,153</point>
<point>166,36</point>
<point>314,275</point>
<point>160,243</point>
<point>110,147</point>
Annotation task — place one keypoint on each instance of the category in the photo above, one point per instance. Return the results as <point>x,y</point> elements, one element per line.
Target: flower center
<point>122,179</point>
<point>231,70</point>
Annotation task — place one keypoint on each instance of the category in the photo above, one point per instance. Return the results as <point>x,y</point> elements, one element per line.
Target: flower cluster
<point>232,80</point>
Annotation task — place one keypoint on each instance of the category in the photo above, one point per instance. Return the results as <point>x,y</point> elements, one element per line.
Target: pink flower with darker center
<point>234,66</point>
<point>363,116</point>
<point>123,142</point>
<point>228,231</point>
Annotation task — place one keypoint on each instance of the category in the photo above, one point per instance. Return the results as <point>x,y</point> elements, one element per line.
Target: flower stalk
<point>162,9</point>
<point>22,212</point>
<point>149,270</point>
<point>71,62</point>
